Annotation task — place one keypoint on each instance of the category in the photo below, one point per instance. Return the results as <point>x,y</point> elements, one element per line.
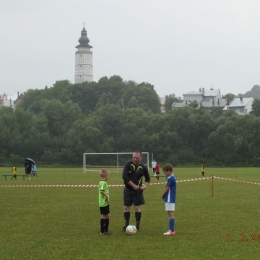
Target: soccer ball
<point>131,229</point>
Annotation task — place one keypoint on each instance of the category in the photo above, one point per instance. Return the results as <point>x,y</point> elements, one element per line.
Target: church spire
<point>83,40</point>
<point>83,59</point>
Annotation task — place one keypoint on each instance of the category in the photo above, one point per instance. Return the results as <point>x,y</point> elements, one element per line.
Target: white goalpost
<point>116,158</point>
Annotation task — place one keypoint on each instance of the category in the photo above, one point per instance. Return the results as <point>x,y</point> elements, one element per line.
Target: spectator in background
<point>157,170</point>
<point>14,171</point>
<point>202,170</point>
<point>34,170</point>
<point>154,166</point>
<point>28,168</point>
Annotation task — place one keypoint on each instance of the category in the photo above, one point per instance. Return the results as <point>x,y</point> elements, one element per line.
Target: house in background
<point>7,100</point>
<point>241,105</point>
<point>202,95</point>
<point>206,98</point>
<point>185,103</point>
<point>211,103</point>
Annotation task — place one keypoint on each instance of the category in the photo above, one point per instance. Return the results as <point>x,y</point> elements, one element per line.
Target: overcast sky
<point>176,45</point>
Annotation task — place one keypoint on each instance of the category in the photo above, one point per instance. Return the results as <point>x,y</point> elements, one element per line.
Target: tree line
<point>57,125</point>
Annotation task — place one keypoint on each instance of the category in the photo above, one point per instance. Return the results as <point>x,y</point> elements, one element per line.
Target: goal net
<point>109,160</point>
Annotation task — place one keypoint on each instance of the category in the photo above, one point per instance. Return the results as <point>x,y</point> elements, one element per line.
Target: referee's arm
<point>146,177</point>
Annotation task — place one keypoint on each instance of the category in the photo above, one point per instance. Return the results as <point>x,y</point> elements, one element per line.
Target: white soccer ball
<point>131,229</point>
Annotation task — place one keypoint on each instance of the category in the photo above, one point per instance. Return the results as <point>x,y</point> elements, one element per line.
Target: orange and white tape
<point>117,185</point>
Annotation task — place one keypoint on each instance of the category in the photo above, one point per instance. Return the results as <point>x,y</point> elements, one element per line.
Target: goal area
<point>110,160</point>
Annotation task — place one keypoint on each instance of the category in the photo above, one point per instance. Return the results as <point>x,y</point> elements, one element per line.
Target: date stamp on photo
<point>244,237</point>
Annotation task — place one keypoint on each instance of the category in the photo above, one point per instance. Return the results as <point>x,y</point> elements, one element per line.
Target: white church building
<point>83,59</point>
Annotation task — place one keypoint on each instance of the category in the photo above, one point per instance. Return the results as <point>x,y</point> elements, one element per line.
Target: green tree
<point>116,78</point>
<point>256,107</point>
<point>216,112</point>
<point>110,120</point>
<point>235,142</point>
<point>228,97</point>
<point>104,100</point>
<point>86,95</point>
<point>84,136</point>
<point>141,96</point>
<point>254,92</point>
<point>169,100</point>
<point>194,104</point>
<point>31,99</point>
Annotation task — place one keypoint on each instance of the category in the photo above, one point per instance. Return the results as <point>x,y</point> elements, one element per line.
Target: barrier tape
<point>228,179</point>
<point>118,185</point>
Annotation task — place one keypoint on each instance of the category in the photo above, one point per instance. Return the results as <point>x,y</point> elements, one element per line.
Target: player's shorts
<point>131,197</point>
<point>169,206</point>
<point>104,210</point>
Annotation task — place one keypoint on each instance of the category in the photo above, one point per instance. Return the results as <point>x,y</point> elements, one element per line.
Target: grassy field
<point>39,222</point>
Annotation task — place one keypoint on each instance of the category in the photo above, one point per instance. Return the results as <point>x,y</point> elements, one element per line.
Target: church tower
<point>83,59</point>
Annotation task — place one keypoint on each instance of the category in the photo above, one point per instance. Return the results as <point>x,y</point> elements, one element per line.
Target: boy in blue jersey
<point>169,196</point>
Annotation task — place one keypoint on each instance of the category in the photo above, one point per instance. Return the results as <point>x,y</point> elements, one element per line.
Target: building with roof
<point>206,98</point>
<point>7,100</point>
<point>241,105</point>
<point>83,59</point>
<point>203,95</point>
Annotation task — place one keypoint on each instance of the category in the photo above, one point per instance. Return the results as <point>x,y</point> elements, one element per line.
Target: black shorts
<point>104,210</point>
<point>133,197</point>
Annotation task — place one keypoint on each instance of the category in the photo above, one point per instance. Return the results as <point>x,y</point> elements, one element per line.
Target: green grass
<point>63,222</point>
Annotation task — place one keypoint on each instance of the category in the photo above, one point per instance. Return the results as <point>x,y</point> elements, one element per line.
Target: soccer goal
<point>99,160</point>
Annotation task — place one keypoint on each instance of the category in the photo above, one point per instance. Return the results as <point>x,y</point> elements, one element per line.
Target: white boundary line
<point>117,185</point>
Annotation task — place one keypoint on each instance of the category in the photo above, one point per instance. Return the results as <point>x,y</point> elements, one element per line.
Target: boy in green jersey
<point>104,203</point>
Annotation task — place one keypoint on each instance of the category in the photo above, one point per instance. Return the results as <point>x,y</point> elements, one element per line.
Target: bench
<point>5,175</point>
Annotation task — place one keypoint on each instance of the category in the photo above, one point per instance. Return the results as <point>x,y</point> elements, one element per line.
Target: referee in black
<point>133,173</point>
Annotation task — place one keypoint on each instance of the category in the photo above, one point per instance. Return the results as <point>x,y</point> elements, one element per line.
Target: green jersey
<point>102,199</point>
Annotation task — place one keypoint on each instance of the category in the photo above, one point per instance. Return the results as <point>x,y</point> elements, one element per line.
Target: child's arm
<point>166,191</point>
<point>105,195</point>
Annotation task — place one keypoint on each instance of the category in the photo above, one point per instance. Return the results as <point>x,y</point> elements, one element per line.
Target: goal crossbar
<point>117,162</point>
